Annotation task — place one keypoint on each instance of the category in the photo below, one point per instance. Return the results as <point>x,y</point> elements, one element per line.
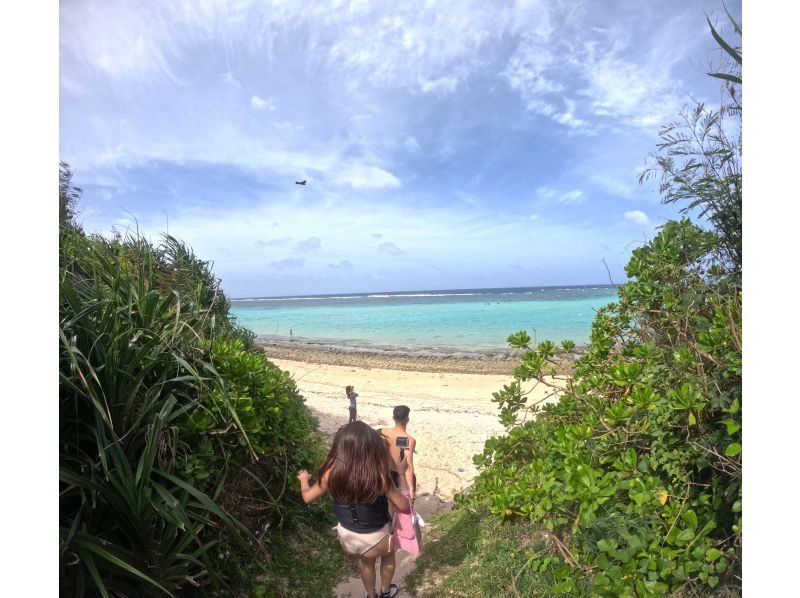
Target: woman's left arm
<point>309,493</point>
<point>398,499</point>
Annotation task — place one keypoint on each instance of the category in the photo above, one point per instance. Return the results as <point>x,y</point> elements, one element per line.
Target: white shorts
<point>356,543</point>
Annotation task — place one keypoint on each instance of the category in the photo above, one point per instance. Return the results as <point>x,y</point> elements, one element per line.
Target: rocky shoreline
<point>456,362</point>
<point>499,362</point>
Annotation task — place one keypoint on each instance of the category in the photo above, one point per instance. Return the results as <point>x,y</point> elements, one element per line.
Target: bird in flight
<point>303,182</point>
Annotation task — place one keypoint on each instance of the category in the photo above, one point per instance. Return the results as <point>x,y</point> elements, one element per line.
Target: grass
<point>472,554</point>
<point>306,562</point>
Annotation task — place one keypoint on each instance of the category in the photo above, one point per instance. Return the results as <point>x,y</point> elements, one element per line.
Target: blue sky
<point>445,144</point>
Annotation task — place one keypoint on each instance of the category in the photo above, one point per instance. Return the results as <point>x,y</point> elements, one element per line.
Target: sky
<point>445,144</point>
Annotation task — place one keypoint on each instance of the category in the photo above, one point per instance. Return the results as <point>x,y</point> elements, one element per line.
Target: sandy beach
<point>452,413</point>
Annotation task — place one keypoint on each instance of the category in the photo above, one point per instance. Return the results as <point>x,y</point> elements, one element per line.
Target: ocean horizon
<point>438,320</point>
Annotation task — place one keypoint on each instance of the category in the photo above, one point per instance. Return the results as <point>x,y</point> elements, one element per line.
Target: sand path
<point>452,415</point>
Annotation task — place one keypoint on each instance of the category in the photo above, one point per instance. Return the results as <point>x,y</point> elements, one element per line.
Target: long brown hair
<point>358,465</point>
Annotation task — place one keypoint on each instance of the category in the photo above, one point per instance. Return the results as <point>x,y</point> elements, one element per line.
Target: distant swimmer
<point>303,182</point>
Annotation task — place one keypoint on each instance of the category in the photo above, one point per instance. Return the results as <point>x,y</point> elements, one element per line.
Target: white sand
<point>451,417</point>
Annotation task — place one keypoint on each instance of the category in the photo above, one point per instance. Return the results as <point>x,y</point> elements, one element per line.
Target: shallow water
<point>469,319</point>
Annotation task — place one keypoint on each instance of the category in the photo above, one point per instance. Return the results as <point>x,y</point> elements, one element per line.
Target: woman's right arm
<point>309,493</point>
<point>412,445</point>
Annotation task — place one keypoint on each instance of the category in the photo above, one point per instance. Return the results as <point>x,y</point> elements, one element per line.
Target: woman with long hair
<point>357,476</point>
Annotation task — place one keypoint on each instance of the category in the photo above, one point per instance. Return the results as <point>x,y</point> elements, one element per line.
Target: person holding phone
<point>357,476</point>
<point>402,447</point>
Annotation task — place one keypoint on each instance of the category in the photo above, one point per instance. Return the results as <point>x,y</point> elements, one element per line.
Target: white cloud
<point>527,73</point>
<point>258,104</point>
<point>569,119</point>
<point>441,85</point>
<point>574,197</point>
<point>350,96</point>
<point>287,264</point>
<point>363,176</point>
<point>120,40</point>
<point>638,218</point>
<point>272,242</point>
<point>309,244</point>
<point>228,78</point>
<point>287,127</point>
<point>390,248</point>
<point>342,265</point>
<point>636,94</point>
<point>411,144</point>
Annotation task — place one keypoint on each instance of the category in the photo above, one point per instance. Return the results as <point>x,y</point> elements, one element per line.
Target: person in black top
<point>357,476</point>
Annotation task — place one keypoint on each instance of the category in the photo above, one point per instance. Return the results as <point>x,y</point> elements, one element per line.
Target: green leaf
<point>712,554</point>
<point>732,426</point>
<point>111,558</point>
<point>724,45</point>
<point>690,517</point>
<point>727,77</point>
<point>98,581</point>
<point>607,545</point>
<point>685,536</point>
<point>733,449</point>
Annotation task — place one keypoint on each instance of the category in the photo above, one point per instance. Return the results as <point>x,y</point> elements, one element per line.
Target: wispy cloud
<point>573,197</point>
<point>390,248</point>
<point>439,126</point>
<point>342,265</point>
<point>638,218</point>
<point>287,264</point>
<point>363,176</point>
<point>273,242</point>
<point>257,103</point>
<point>309,244</point>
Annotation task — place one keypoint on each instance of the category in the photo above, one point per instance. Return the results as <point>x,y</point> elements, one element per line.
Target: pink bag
<point>407,535</point>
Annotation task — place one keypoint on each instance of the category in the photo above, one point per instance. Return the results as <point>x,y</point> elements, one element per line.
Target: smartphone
<point>401,442</point>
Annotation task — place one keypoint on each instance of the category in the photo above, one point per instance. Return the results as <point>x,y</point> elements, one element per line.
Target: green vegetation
<point>178,439</point>
<point>631,484</point>
<point>469,553</point>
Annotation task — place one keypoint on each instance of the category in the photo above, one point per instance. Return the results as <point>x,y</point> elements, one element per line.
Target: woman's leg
<point>385,550</point>
<point>367,566</point>
<point>387,571</point>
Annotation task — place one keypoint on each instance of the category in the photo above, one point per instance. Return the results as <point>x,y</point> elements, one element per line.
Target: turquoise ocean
<point>445,320</point>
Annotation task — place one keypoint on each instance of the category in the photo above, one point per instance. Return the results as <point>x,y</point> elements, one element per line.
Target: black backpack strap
<point>354,514</point>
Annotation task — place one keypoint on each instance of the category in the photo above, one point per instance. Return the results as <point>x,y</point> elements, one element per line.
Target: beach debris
<point>461,469</point>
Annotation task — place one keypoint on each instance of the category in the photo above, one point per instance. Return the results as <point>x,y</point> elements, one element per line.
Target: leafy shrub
<point>637,469</point>
<point>635,474</point>
<point>165,414</point>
